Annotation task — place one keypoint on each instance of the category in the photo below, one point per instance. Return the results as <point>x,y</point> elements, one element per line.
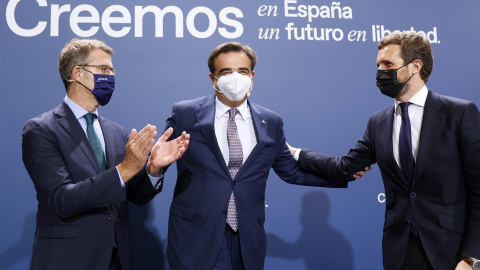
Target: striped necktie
<point>234,164</point>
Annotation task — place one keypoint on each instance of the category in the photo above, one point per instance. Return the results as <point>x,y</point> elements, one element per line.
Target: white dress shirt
<point>246,131</point>
<point>79,113</point>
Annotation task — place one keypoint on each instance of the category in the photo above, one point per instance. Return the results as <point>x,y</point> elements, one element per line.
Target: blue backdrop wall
<point>316,68</point>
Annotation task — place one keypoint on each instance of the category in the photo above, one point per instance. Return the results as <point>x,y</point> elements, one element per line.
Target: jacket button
<point>408,221</point>
<point>110,218</point>
<point>234,183</point>
<point>413,195</point>
<point>224,212</point>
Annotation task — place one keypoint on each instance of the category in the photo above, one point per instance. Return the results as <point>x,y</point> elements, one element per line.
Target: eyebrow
<point>384,61</point>
<point>224,69</point>
<point>230,69</point>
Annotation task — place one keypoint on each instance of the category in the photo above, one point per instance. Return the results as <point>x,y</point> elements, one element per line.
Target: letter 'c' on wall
<point>12,23</point>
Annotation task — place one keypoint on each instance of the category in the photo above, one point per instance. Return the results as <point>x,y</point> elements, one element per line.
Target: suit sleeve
<point>286,167</point>
<point>330,167</point>
<point>140,188</point>
<point>46,165</point>
<point>469,145</point>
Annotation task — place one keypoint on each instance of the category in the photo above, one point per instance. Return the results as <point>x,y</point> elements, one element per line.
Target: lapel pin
<point>263,121</point>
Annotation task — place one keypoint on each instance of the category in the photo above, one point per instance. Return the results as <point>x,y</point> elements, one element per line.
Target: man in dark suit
<point>218,208</point>
<point>427,147</point>
<point>85,169</point>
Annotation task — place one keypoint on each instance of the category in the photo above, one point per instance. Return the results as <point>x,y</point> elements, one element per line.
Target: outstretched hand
<point>359,174</point>
<point>166,152</point>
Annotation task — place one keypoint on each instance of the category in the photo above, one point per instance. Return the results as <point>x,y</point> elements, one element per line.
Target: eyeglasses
<point>106,70</point>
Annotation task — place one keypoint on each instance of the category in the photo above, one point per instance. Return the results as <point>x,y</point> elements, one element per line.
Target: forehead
<point>232,60</point>
<point>99,57</point>
<point>391,52</point>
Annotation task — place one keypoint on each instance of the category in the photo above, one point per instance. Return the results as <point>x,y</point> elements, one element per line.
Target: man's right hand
<point>137,150</point>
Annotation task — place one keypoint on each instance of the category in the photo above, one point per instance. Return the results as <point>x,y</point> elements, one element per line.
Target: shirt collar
<point>418,99</point>
<point>77,110</point>
<point>221,109</point>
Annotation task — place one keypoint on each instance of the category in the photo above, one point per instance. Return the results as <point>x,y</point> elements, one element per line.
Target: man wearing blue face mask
<point>86,168</point>
<point>218,208</point>
<point>427,147</point>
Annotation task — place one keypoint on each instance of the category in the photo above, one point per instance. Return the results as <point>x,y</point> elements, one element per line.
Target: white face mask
<point>234,86</point>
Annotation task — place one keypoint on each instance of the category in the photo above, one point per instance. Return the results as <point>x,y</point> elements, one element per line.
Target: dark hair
<point>231,47</point>
<point>75,53</point>
<point>413,46</point>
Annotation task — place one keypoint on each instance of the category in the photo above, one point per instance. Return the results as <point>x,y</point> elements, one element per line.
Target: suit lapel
<point>67,120</point>
<point>385,125</point>
<point>109,138</point>
<point>432,124</point>
<point>205,114</point>
<point>260,125</point>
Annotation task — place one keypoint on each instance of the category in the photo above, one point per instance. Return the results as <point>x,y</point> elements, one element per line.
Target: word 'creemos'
<point>122,16</point>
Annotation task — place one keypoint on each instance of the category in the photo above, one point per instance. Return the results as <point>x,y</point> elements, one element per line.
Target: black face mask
<point>388,83</point>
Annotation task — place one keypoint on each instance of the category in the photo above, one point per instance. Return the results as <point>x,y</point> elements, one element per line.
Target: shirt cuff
<point>119,176</point>
<point>156,179</point>
<point>297,154</point>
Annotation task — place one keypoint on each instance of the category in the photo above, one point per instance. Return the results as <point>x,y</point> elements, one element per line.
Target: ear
<point>253,74</point>
<point>212,78</point>
<point>76,73</point>
<point>417,65</point>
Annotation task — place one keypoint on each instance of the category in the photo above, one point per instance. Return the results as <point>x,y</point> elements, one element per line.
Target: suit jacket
<point>199,207</point>
<point>79,207</point>
<point>444,199</point>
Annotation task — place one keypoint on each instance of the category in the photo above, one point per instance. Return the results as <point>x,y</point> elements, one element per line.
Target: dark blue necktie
<point>94,141</point>
<point>407,162</point>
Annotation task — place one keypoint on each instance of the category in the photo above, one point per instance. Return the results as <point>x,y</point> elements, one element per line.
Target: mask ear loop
<point>214,85</point>
<point>79,83</point>
<point>251,87</point>
<point>405,66</point>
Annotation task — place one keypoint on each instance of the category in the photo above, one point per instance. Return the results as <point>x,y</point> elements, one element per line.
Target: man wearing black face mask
<point>427,147</point>
<point>85,168</point>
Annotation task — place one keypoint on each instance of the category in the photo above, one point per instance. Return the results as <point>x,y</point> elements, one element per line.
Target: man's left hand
<point>166,152</point>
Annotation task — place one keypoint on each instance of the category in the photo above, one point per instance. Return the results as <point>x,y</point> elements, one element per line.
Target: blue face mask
<point>103,89</point>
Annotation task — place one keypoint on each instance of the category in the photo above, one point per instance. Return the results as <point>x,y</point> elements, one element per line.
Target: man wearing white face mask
<point>218,211</point>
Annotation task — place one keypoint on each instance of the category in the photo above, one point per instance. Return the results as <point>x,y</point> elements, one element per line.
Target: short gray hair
<point>75,53</point>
